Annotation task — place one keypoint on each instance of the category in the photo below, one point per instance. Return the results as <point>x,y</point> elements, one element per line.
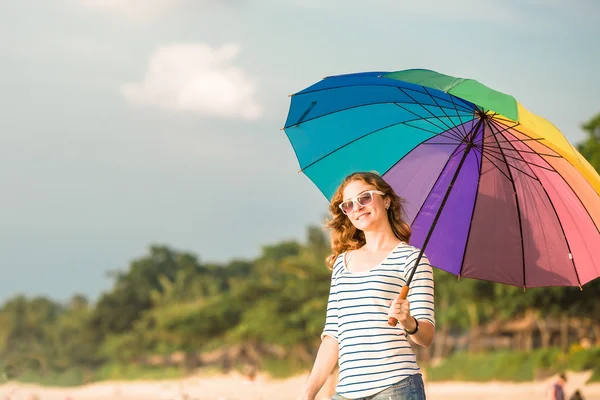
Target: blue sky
<point>131,122</point>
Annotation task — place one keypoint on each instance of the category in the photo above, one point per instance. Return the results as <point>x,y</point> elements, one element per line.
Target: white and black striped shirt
<point>372,354</point>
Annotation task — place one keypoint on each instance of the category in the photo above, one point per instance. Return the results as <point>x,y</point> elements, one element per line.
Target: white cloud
<point>132,8</point>
<point>196,78</point>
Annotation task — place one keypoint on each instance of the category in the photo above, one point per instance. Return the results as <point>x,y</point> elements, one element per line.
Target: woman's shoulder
<point>407,249</point>
<point>338,263</point>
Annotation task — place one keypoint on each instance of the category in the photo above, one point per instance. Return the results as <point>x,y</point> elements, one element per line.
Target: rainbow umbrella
<point>492,191</point>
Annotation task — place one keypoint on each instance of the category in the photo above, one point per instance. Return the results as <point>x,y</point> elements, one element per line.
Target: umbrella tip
<point>580,288</point>
<point>458,276</point>
<point>524,288</point>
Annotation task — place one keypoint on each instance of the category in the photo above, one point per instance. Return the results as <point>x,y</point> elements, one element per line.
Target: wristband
<point>416,328</point>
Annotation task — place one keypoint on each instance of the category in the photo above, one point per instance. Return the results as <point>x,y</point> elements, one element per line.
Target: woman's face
<point>372,212</point>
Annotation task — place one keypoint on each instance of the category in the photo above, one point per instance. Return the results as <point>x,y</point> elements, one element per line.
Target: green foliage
<point>148,278</point>
<point>482,367</point>
<point>116,371</point>
<point>514,366</point>
<point>583,359</point>
<point>277,368</point>
<point>66,378</point>
<point>167,302</point>
<point>547,359</point>
<point>590,148</point>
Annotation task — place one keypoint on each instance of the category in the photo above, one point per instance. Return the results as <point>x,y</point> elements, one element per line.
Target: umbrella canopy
<point>492,191</point>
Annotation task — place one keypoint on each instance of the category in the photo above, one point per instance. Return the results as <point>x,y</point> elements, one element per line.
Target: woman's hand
<point>400,309</point>
<point>327,358</point>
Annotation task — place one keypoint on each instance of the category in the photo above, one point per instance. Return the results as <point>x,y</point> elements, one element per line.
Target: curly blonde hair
<point>344,236</point>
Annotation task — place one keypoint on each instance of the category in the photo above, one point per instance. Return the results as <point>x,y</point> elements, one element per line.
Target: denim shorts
<point>409,388</point>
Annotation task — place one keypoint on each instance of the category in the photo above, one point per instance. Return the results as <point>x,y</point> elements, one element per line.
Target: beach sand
<point>234,386</point>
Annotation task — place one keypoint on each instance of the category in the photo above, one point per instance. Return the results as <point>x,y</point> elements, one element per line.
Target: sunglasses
<point>363,199</point>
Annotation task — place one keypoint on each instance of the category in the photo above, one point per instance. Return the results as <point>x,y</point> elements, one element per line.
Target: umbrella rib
<point>520,140</point>
<point>479,168</point>
<point>457,138</point>
<point>454,153</point>
<point>466,105</point>
<point>518,151</point>
<point>512,181</point>
<point>449,138</point>
<point>533,152</point>
<point>504,127</point>
<point>448,128</point>
<point>520,159</point>
<point>510,165</point>
<point>452,97</point>
<point>301,120</point>
<point>479,161</point>
<point>447,116</point>
<point>368,134</point>
<point>427,119</point>
<point>493,163</point>
<point>561,226</point>
<point>444,144</point>
<point>507,129</point>
<point>451,156</point>
<point>305,113</point>
<point>482,150</point>
<point>501,117</point>
<point>539,140</point>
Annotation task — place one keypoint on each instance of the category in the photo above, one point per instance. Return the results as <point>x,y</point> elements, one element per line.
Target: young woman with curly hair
<point>370,262</point>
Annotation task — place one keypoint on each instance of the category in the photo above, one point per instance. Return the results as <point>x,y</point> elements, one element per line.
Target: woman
<point>370,263</point>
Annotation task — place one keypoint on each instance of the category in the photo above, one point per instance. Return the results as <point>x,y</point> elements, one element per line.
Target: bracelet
<point>416,328</point>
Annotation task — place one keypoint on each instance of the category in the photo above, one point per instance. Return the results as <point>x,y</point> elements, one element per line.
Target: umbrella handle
<point>402,296</point>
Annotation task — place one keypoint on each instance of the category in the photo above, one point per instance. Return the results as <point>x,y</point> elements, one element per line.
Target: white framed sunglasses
<point>363,199</point>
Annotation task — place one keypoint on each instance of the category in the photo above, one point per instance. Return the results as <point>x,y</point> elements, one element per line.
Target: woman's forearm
<point>425,334</point>
<point>327,358</point>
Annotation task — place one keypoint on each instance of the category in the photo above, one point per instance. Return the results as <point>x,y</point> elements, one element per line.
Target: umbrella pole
<point>469,145</point>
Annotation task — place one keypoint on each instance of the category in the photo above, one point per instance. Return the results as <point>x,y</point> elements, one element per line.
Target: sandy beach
<point>231,387</point>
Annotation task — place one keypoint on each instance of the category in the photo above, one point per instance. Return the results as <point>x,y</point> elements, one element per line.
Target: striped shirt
<point>372,354</point>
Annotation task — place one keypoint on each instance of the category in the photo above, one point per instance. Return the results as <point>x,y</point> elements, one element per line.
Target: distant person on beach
<point>576,396</point>
<point>371,261</point>
<point>556,390</point>
<point>250,372</point>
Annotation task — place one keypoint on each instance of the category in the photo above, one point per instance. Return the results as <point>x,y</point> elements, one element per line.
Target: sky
<point>126,123</point>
